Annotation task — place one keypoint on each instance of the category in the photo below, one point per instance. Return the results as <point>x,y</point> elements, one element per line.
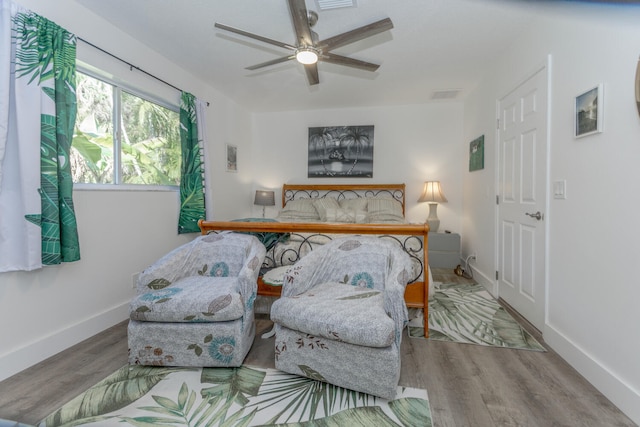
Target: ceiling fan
<point>308,49</point>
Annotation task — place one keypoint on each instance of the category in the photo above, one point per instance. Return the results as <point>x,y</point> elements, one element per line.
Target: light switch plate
<point>560,189</point>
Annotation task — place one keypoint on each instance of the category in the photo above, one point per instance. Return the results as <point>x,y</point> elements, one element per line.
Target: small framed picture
<point>476,154</point>
<point>589,112</point>
<point>232,158</point>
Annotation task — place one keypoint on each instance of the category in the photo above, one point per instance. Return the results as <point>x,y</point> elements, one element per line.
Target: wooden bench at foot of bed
<point>416,293</point>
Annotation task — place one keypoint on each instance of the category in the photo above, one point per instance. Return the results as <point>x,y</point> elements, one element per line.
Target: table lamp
<point>432,193</point>
<point>264,198</point>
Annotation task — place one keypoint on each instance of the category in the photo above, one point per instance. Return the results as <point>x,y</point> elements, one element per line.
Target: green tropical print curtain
<point>44,59</point>
<point>192,201</point>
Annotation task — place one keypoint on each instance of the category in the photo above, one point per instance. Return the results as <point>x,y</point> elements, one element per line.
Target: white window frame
<point>118,87</point>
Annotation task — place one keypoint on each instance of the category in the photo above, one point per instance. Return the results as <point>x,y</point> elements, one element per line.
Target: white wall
<point>121,232</point>
<point>412,144</point>
<point>592,315</point>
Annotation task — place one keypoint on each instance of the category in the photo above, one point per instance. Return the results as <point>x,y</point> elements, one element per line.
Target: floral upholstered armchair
<point>195,305</point>
<point>341,315</point>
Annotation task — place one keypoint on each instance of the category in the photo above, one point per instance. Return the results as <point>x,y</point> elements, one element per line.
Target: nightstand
<point>444,250</point>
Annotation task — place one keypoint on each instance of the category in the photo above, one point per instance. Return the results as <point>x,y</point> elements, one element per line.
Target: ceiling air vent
<point>445,94</point>
<point>335,4</point>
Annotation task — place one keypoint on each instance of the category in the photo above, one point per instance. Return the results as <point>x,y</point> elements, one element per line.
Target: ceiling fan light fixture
<point>306,55</point>
<point>308,49</point>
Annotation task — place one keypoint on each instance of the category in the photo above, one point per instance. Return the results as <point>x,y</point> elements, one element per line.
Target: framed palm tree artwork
<point>340,151</point>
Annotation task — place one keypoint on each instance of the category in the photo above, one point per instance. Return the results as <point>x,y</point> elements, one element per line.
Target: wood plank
<point>316,227</point>
<point>267,290</point>
<point>468,385</point>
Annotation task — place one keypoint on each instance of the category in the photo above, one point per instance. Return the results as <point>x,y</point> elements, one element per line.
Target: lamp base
<point>432,219</point>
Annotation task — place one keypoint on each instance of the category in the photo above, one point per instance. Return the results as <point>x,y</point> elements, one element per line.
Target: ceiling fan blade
<point>300,18</point>
<point>254,36</point>
<point>312,74</point>
<point>272,62</point>
<point>349,62</point>
<point>355,35</point>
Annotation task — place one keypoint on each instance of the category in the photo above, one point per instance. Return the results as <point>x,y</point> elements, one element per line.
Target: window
<point>144,149</point>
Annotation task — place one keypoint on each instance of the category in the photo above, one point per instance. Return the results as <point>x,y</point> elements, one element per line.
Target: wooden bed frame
<point>416,294</point>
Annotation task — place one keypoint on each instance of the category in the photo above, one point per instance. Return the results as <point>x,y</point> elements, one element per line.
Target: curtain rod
<point>131,66</point>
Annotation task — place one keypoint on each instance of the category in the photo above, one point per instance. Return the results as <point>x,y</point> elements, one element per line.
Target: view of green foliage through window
<point>145,150</point>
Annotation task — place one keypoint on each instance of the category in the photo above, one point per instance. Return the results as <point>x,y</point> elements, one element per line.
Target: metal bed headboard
<point>343,191</point>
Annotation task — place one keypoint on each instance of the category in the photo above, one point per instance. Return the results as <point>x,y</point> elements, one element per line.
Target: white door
<point>522,202</point>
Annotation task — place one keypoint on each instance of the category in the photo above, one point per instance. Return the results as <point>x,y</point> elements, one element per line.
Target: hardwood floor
<point>468,385</point>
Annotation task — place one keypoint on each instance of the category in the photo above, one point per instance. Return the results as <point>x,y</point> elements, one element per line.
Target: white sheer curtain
<point>37,115</point>
<point>20,107</point>
<point>5,73</point>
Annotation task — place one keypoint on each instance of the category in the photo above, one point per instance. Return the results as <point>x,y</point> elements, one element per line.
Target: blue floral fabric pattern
<point>339,312</point>
<point>342,312</point>
<point>362,280</point>
<point>192,299</point>
<point>222,348</point>
<point>195,304</point>
<point>250,301</point>
<point>220,269</point>
<point>160,294</point>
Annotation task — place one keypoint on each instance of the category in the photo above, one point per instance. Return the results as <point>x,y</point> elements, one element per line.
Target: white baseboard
<point>607,382</point>
<point>621,394</point>
<point>489,284</point>
<point>35,352</point>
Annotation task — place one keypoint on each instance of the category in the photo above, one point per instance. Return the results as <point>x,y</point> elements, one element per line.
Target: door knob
<point>536,215</point>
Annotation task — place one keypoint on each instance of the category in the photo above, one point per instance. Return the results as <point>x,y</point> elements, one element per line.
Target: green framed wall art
<point>476,154</point>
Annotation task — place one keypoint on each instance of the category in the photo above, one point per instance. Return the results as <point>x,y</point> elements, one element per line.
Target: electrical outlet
<point>473,257</point>
<point>134,279</point>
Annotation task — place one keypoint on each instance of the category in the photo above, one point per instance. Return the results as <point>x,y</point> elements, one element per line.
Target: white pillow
<point>362,217</point>
<point>299,210</point>
<point>357,204</point>
<point>324,204</point>
<point>383,209</point>
<point>346,215</point>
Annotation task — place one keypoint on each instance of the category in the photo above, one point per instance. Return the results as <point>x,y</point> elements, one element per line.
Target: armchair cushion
<point>216,255</point>
<point>192,299</point>
<point>339,312</point>
<point>360,261</point>
<point>195,304</point>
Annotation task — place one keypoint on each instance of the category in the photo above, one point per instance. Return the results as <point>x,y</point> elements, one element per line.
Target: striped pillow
<point>384,209</point>
<point>324,204</point>
<point>299,210</point>
<point>356,204</point>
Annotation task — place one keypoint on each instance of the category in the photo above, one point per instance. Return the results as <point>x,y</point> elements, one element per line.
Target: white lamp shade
<point>264,198</point>
<point>432,192</point>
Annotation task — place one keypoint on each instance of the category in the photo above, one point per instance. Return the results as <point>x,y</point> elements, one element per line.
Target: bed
<point>312,215</point>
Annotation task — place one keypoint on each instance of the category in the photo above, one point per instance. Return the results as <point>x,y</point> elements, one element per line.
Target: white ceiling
<point>435,45</point>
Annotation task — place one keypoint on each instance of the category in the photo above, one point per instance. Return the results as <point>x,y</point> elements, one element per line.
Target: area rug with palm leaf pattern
<point>467,313</point>
<point>247,396</point>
